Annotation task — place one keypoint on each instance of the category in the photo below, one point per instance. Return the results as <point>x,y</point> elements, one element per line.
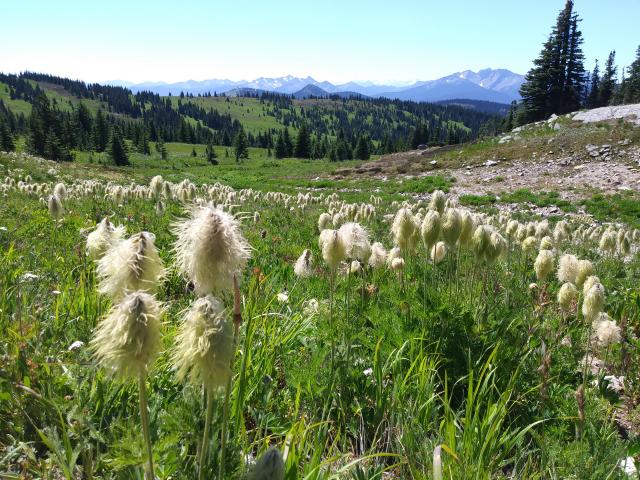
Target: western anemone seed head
<point>156,185</point>
<point>302,268</point>
<point>438,201</point>
<point>567,296</point>
<point>543,264</point>
<point>56,210</point>
<point>512,228</point>
<point>542,229</point>
<point>468,227</point>
<point>356,240</point>
<point>585,270</point>
<point>588,283</point>
<point>624,245</point>
<point>497,246</point>
<point>159,208</point>
<point>481,240</point>
<point>568,268</point>
<point>607,331</point>
<point>60,191</point>
<point>430,228</point>
<point>438,252</point>
<point>324,221</point>
<point>593,302</point>
<point>130,265</point>
<point>105,236</point>
<point>270,466</point>
<point>451,226</point>
<point>405,230</point>
<point>333,247</point>
<point>546,243</point>
<point>608,242</point>
<point>392,254</point>
<point>397,264</point>
<point>355,267</point>
<point>529,244</point>
<point>128,339</point>
<point>378,255</point>
<point>204,344</point>
<point>210,249</point>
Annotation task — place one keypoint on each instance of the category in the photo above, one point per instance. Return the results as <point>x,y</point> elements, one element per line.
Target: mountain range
<point>493,85</point>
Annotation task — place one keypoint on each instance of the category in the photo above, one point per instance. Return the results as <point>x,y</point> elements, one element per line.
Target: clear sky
<point>390,40</point>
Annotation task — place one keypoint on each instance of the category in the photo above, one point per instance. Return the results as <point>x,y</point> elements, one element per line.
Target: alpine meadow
<point>288,278</point>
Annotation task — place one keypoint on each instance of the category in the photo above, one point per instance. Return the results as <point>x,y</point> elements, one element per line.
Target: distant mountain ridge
<point>493,85</point>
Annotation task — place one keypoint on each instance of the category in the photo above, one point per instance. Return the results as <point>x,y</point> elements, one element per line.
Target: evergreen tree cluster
<point>558,83</point>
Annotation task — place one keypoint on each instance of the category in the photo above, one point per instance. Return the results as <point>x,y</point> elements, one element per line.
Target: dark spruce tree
<point>632,91</point>
<point>362,148</point>
<point>6,138</point>
<point>210,153</point>
<point>241,146</point>
<point>118,149</point>
<point>101,132</point>
<point>281,146</point>
<point>303,143</point>
<point>608,82</point>
<point>555,84</point>
<point>594,87</point>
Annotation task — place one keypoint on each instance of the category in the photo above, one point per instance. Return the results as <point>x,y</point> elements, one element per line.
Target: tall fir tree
<point>362,148</point>
<point>6,138</point>
<point>288,143</point>
<point>241,146</point>
<point>210,153</point>
<point>594,87</point>
<point>281,146</point>
<point>632,90</point>
<point>101,132</point>
<point>556,82</point>
<point>118,149</point>
<point>303,143</point>
<point>608,82</point>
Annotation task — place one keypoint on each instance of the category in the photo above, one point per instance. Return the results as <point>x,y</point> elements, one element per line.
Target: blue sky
<point>394,40</point>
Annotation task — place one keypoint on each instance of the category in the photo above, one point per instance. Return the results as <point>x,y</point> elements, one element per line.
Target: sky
<point>385,41</point>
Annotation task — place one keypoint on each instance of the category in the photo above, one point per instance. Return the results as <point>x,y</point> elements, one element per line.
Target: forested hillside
<point>57,116</point>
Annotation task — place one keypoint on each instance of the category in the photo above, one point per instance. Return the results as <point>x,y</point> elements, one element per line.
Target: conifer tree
<point>281,147</point>
<point>118,149</point>
<point>608,82</point>
<point>6,139</point>
<point>100,132</point>
<point>303,143</point>
<point>241,146</point>
<point>210,153</point>
<point>632,90</point>
<point>161,148</point>
<point>288,143</point>
<point>594,87</point>
<point>362,149</point>
<point>556,82</point>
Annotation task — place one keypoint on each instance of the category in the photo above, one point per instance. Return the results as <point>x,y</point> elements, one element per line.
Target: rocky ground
<point>575,155</point>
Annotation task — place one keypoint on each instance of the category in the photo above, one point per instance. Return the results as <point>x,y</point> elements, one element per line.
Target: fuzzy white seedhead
<point>567,297</point>
<point>302,267</point>
<point>405,230</point>
<point>585,270</point>
<point>546,243</point>
<point>60,191</point>
<point>156,186</point>
<point>543,265</point>
<point>397,263</point>
<point>54,204</point>
<point>378,255</point>
<point>128,339</point>
<point>451,226</point>
<point>270,466</point>
<point>568,268</point>
<point>430,228</point>
<point>593,302</point>
<point>481,240</point>
<point>438,252</point>
<point>204,344</point>
<point>356,240</point>
<point>130,265</point>
<point>210,249</point>
<point>438,201</point>
<point>468,228</point>
<point>588,283</point>
<point>324,221</point>
<point>333,247</point>
<point>529,244</point>
<point>497,246</point>
<point>607,331</point>
<point>104,237</point>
